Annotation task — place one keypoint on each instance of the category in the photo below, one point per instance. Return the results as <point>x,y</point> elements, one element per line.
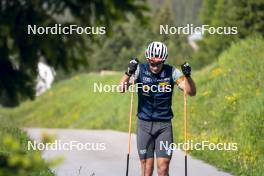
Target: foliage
<point>179,50</point>
<point>229,108</point>
<point>247,16</point>
<point>20,52</point>
<point>183,11</point>
<point>131,40</point>
<point>15,159</point>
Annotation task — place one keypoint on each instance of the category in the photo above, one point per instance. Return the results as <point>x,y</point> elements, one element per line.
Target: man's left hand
<point>186,69</point>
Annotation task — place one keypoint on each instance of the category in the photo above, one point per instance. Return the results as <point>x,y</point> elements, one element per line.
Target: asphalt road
<point>106,155</point>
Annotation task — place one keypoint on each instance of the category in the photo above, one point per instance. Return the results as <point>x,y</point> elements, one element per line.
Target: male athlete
<point>155,81</point>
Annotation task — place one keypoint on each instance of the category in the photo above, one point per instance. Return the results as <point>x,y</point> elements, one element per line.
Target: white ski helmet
<point>156,51</point>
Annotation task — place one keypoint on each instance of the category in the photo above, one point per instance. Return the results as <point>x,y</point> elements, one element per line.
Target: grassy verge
<point>74,104</point>
<point>229,107</point>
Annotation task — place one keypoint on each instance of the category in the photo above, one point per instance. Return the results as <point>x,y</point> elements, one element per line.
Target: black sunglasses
<point>156,64</point>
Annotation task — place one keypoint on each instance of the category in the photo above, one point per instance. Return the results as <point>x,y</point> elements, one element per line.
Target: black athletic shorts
<point>154,137</point>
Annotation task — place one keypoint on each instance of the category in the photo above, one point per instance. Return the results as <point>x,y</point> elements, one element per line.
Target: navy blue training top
<point>155,93</point>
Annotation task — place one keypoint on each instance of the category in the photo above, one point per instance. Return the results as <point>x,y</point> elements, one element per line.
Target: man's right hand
<point>132,66</point>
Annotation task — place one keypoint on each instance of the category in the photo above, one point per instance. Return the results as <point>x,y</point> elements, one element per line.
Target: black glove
<point>132,66</point>
<point>186,69</point>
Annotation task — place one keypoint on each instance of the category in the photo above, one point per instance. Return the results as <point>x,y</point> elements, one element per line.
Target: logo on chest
<point>146,79</point>
<point>163,79</point>
<point>147,73</point>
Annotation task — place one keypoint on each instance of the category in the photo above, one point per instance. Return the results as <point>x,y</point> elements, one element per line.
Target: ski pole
<point>185,124</point>
<point>129,126</point>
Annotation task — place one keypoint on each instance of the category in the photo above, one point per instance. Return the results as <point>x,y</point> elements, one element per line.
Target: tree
<point>179,51</point>
<point>19,52</point>
<point>208,8</point>
<point>129,41</point>
<point>246,15</point>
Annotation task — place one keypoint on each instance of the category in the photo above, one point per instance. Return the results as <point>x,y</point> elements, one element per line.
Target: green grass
<point>74,104</point>
<point>229,107</point>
